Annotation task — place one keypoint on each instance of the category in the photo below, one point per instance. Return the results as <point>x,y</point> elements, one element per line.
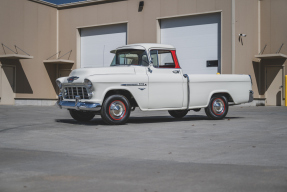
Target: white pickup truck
<point>148,76</point>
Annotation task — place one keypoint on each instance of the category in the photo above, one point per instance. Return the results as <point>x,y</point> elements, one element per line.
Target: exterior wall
<point>42,31</point>
<point>142,26</point>
<point>273,28</point>
<point>246,22</point>
<point>32,27</point>
<point>273,34</point>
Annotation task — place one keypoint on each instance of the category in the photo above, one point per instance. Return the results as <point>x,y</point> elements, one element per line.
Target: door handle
<point>175,71</point>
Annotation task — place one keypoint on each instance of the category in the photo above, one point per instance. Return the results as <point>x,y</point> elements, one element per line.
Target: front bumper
<point>78,105</point>
<point>250,96</point>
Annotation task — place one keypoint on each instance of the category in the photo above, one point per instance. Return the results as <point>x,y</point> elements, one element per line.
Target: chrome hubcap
<point>117,110</point>
<point>218,106</point>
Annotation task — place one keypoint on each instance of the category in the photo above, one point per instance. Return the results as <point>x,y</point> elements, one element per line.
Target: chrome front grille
<point>73,91</point>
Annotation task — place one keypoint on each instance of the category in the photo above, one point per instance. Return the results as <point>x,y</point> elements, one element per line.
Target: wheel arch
<point>226,94</point>
<point>123,92</point>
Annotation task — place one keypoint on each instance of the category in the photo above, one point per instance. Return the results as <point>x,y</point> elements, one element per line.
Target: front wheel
<point>178,113</point>
<point>116,110</point>
<point>217,107</point>
<point>82,115</point>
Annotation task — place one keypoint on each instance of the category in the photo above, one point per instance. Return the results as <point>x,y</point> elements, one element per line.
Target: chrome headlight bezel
<point>60,85</point>
<point>88,84</point>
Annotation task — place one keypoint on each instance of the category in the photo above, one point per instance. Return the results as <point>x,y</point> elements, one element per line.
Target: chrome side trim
<point>250,96</point>
<point>188,91</point>
<point>134,84</point>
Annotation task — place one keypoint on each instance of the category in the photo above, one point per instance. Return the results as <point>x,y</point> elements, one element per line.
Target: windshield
<point>130,57</point>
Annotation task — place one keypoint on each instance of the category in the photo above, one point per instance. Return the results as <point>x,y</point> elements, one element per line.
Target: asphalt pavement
<point>44,149</point>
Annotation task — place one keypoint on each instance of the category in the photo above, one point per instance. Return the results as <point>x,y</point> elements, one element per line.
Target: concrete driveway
<point>43,149</point>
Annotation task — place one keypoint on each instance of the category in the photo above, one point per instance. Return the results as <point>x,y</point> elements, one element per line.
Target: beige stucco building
<point>238,36</point>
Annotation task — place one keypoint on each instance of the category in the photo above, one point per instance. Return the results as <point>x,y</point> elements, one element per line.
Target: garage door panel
<point>201,69</point>
<point>97,42</point>
<point>104,30</point>
<point>196,38</point>
<point>192,30</point>
<point>197,53</point>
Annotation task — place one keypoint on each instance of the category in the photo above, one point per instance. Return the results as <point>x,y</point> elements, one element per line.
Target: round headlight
<point>59,84</point>
<point>88,83</point>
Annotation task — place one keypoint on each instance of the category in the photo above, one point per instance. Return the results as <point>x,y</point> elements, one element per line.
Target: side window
<point>165,59</point>
<point>153,55</point>
<point>162,59</point>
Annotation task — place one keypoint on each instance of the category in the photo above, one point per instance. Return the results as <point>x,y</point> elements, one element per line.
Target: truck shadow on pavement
<point>165,119</point>
<point>144,120</point>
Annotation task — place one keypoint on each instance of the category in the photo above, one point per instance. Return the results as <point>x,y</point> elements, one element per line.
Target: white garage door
<point>97,42</point>
<point>197,40</point>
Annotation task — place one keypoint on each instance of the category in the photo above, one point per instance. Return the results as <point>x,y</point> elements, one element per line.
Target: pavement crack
<point>31,125</point>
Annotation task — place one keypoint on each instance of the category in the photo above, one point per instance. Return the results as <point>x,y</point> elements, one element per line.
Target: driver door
<point>165,81</point>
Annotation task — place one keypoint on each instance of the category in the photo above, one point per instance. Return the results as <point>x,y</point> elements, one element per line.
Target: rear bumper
<point>78,105</point>
<point>250,96</point>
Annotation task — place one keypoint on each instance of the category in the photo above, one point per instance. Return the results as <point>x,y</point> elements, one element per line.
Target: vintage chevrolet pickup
<point>148,76</point>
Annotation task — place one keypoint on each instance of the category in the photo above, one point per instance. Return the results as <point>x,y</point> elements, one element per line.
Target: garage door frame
<point>158,29</point>
<point>78,38</point>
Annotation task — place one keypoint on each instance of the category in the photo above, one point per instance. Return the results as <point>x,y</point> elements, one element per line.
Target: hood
<point>84,72</point>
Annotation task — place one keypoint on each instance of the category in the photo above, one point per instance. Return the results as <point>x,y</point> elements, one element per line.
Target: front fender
<point>137,85</point>
<point>141,100</point>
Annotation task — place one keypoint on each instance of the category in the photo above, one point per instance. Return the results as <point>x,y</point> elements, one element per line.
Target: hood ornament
<point>71,79</point>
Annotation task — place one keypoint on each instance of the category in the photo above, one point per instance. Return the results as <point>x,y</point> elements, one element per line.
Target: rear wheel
<point>116,110</point>
<point>82,115</point>
<point>178,113</point>
<point>217,107</point>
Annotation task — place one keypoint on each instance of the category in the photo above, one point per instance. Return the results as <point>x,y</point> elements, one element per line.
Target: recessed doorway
<point>8,83</point>
<point>274,86</point>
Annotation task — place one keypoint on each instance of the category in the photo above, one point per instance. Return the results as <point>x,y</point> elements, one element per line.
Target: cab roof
<point>145,46</point>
